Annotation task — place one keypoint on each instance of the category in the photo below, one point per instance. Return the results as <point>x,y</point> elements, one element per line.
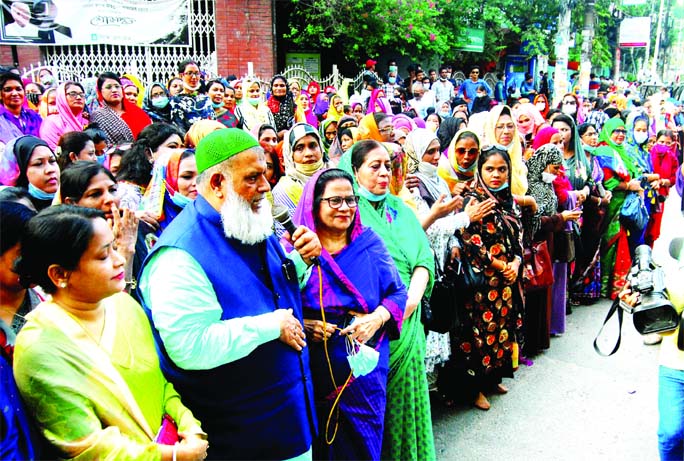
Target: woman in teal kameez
<point>408,425</point>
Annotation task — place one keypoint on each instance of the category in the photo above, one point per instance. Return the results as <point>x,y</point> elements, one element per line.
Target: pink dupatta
<point>54,126</point>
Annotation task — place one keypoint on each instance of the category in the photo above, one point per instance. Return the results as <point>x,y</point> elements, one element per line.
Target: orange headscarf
<point>368,129</point>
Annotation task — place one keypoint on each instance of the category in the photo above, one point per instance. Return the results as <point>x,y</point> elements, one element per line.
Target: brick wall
<point>27,55</point>
<point>244,33</point>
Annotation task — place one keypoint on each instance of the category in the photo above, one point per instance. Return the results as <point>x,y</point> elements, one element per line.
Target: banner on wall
<point>85,22</point>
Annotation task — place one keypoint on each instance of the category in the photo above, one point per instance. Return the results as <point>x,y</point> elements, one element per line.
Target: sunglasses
<point>463,151</point>
<point>620,131</point>
<point>487,149</point>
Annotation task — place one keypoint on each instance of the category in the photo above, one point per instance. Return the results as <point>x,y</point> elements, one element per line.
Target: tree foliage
<point>432,27</point>
<point>364,27</point>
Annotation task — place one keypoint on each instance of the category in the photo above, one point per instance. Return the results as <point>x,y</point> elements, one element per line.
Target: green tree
<point>363,27</point>
<point>422,27</point>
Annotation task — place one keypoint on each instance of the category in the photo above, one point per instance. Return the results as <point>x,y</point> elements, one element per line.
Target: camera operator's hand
<point>628,297</point>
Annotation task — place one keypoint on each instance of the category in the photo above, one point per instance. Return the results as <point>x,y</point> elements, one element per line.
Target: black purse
<point>440,311</point>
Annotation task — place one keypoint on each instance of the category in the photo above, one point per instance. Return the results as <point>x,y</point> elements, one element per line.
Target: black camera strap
<point>614,307</point>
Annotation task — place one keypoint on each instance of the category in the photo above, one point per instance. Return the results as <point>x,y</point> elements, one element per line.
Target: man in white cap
<point>225,305</point>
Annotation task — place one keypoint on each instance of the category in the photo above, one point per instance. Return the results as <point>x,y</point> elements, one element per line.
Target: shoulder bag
<point>440,311</point>
<point>633,214</point>
<point>537,270</point>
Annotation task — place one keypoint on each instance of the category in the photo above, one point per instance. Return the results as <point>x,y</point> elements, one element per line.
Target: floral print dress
<point>485,344</point>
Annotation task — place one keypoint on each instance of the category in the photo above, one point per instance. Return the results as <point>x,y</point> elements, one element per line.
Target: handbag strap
<point>614,307</point>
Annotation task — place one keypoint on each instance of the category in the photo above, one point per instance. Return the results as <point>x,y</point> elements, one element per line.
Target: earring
<point>62,284</point>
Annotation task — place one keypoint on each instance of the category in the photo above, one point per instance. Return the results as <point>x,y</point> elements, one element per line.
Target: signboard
<point>84,22</point>
<point>472,40</point>
<point>633,2</point>
<point>635,32</point>
<point>311,62</point>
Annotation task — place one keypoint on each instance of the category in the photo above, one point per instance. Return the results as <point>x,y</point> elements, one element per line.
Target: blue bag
<point>633,214</point>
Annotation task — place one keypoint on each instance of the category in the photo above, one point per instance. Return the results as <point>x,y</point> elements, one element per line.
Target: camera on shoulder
<point>653,313</point>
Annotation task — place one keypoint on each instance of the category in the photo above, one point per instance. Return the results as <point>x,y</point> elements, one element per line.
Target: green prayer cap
<point>220,145</point>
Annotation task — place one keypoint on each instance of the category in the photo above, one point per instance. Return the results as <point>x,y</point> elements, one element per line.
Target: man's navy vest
<point>258,407</point>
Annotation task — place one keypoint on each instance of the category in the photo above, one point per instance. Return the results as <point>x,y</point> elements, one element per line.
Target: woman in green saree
<point>620,177</point>
<point>408,425</point>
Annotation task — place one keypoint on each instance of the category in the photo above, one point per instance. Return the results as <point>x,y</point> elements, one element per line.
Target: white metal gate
<point>149,63</point>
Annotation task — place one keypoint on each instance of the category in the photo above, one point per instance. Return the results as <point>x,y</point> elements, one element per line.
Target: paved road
<point>572,404</point>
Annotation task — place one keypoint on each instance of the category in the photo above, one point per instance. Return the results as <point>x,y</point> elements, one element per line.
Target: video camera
<point>653,313</point>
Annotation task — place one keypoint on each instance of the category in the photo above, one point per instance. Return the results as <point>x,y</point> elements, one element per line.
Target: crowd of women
<point>485,199</point>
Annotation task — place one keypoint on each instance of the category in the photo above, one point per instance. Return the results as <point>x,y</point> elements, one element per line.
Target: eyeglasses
<point>471,151</point>
<point>388,129</point>
<point>76,94</point>
<point>620,131</point>
<point>570,103</point>
<point>192,74</point>
<point>352,201</point>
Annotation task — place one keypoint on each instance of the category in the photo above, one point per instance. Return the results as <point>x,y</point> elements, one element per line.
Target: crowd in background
<point>411,181</point>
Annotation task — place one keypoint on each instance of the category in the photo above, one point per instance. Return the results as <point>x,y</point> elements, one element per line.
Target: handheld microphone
<point>282,215</point>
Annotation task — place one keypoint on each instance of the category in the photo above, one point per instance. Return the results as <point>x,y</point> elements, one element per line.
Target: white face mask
<point>548,178</point>
<point>540,106</point>
<point>640,137</point>
<point>362,359</point>
<point>428,169</point>
<point>568,109</point>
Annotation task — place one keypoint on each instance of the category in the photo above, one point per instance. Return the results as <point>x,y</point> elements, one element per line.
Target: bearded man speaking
<point>224,302</point>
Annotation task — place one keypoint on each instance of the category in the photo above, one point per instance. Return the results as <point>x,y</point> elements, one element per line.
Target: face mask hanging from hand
<point>362,359</point>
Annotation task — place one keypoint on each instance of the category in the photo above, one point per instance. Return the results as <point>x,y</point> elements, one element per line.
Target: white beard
<point>242,223</point>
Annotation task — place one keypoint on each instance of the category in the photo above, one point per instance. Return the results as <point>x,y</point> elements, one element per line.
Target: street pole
<point>656,48</point>
<point>562,51</point>
<point>617,20</point>
<point>587,39</point>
